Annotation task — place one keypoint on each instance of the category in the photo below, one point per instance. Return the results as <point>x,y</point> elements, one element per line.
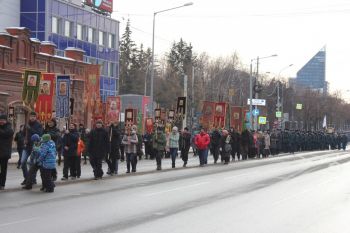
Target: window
<point>111,69</point>
<point>67,29</point>
<point>79,32</point>
<point>101,38</point>
<point>111,41</point>
<point>54,25</point>
<point>91,35</point>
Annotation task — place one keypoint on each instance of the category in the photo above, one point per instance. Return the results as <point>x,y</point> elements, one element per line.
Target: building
<point>18,52</point>
<point>9,12</point>
<point>73,24</point>
<point>313,74</point>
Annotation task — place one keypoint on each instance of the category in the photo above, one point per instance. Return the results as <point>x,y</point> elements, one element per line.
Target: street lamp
<point>251,86</point>
<point>152,67</point>
<point>279,104</point>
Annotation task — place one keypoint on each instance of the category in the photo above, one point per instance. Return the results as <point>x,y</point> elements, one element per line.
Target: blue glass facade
<point>313,73</point>
<point>69,25</point>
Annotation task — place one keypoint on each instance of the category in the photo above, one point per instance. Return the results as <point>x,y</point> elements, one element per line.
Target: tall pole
<point>251,95</point>
<point>256,94</point>
<point>184,122</point>
<point>192,99</point>
<point>152,67</point>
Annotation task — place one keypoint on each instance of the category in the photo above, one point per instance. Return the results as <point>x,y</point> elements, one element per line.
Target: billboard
<point>103,5</point>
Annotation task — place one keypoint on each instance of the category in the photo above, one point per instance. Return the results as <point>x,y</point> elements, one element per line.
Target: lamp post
<point>279,104</point>
<point>251,88</point>
<point>152,67</point>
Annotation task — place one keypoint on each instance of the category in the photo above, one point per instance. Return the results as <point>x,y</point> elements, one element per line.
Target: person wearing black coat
<point>235,142</point>
<point>6,137</point>
<point>113,155</point>
<point>19,139</point>
<point>245,141</point>
<point>215,143</point>
<point>184,145</point>
<point>33,127</point>
<point>98,148</point>
<point>344,141</point>
<point>70,147</point>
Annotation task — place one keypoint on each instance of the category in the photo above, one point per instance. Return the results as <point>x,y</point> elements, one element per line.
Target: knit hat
<point>99,121</point>
<point>46,137</point>
<point>175,128</point>
<point>32,114</point>
<point>35,138</point>
<point>3,117</point>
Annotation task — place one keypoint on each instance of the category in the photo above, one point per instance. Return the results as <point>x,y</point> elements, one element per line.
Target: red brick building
<point>18,52</point>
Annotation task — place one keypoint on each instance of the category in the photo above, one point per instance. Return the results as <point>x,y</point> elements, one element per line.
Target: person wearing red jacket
<point>202,141</point>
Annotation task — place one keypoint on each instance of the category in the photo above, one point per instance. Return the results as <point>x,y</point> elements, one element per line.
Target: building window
<point>79,32</point>
<point>101,38</point>
<point>111,41</point>
<point>111,69</point>
<point>54,25</point>
<point>68,28</point>
<point>91,35</point>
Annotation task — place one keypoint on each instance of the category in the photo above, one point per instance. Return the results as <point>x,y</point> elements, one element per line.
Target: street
<point>305,192</point>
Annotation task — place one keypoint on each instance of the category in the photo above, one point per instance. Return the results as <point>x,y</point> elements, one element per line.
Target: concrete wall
<point>9,11</point>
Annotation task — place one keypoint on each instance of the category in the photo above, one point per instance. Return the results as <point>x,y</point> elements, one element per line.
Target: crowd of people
<point>41,148</point>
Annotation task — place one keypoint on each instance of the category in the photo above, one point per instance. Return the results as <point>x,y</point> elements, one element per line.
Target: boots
<point>173,165</point>
<point>185,163</point>
<point>159,167</point>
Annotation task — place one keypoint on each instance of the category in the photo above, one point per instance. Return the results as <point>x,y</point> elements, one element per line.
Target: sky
<point>294,30</point>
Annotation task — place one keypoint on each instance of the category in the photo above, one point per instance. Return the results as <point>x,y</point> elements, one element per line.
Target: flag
<point>220,114</point>
<point>92,90</point>
<point>324,125</point>
<point>207,114</point>
<point>113,108</point>
<point>181,105</point>
<point>236,118</point>
<point>31,84</point>
<point>43,104</point>
<point>62,96</point>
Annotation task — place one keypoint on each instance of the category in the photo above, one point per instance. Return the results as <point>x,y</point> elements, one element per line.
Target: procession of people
<point>39,146</point>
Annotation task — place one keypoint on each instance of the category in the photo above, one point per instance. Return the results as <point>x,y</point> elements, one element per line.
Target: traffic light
<point>71,105</point>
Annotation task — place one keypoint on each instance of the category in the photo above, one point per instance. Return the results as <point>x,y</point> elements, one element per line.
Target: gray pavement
<point>305,192</point>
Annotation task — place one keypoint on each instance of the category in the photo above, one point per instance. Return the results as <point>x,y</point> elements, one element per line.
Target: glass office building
<point>313,73</point>
<point>70,24</point>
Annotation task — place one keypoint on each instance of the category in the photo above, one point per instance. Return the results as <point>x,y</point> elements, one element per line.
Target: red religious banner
<point>113,109</point>
<point>43,104</point>
<point>92,87</point>
<point>237,118</point>
<point>220,114</point>
<point>130,116</point>
<point>207,119</point>
<point>149,125</point>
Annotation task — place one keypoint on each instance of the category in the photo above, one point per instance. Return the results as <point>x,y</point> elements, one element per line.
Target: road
<point>305,192</point>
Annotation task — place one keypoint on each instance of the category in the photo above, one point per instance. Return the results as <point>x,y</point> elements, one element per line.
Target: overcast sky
<point>295,30</point>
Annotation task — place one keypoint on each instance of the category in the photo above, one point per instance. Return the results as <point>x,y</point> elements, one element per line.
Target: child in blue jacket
<point>47,159</point>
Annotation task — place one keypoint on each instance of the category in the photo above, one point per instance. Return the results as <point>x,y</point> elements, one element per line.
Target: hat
<point>99,121</point>
<point>46,137</point>
<point>32,114</point>
<point>35,138</point>
<point>175,128</point>
<point>186,128</point>
<point>3,117</point>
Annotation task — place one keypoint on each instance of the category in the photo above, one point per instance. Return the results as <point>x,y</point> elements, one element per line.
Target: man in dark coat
<point>70,147</point>
<point>33,127</point>
<point>184,145</point>
<point>215,143</point>
<point>19,139</point>
<point>113,155</point>
<point>6,137</point>
<point>344,141</point>
<point>245,144</point>
<point>235,142</point>
<point>98,148</point>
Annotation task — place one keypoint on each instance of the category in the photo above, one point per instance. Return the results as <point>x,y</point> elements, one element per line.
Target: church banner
<point>92,87</point>
<point>220,114</point>
<point>113,109</point>
<point>31,85</point>
<point>236,118</point>
<point>43,104</point>
<point>62,96</point>
<point>207,118</point>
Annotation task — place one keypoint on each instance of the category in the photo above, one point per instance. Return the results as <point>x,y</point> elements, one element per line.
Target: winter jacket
<point>114,137</point>
<point>130,142</point>
<point>6,137</point>
<point>98,143</point>
<point>215,138</point>
<point>159,141</point>
<point>81,147</point>
<point>54,133</point>
<point>202,141</point>
<point>185,141</point>
<point>71,141</point>
<point>31,129</point>
<point>47,155</point>
<point>267,141</point>
<point>19,139</point>
<point>174,140</point>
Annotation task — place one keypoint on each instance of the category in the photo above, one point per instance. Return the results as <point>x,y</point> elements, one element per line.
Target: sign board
<point>122,117</point>
<point>259,102</point>
<point>278,114</point>
<point>256,112</point>
<point>286,116</point>
<point>299,106</point>
<point>262,120</point>
<point>103,5</point>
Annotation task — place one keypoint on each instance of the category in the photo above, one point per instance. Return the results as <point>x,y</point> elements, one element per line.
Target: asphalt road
<point>306,192</point>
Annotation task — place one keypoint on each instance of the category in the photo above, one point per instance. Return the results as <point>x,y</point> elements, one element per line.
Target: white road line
<point>175,189</point>
<point>16,222</point>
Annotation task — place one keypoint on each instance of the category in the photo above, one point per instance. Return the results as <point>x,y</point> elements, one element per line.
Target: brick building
<point>18,52</point>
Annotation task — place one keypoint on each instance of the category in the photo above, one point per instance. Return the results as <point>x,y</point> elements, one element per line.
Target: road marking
<point>175,189</point>
<point>16,222</point>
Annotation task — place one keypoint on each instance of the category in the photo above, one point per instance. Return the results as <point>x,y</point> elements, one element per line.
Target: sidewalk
<point>15,176</point>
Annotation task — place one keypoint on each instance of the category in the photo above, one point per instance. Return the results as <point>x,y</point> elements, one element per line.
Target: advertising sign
<point>103,5</point>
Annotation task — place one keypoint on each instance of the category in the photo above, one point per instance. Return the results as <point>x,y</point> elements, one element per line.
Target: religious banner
<point>220,114</point>
<point>62,96</point>
<point>139,123</point>
<point>149,125</point>
<point>157,113</point>
<point>236,118</point>
<point>31,85</point>
<point>171,115</point>
<point>92,87</point>
<point>43,106</point>
<point>181,105</point>
<point>113,109</point>
<point>207,118</point>
<point>129,117</point>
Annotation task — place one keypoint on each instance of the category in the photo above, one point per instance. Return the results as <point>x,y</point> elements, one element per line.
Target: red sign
<point>103,5</point>
<point>113,109</point>
<point>208,114</point>
<point>236,118</point>
<point>220,114</point>
<point>43,104</point>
